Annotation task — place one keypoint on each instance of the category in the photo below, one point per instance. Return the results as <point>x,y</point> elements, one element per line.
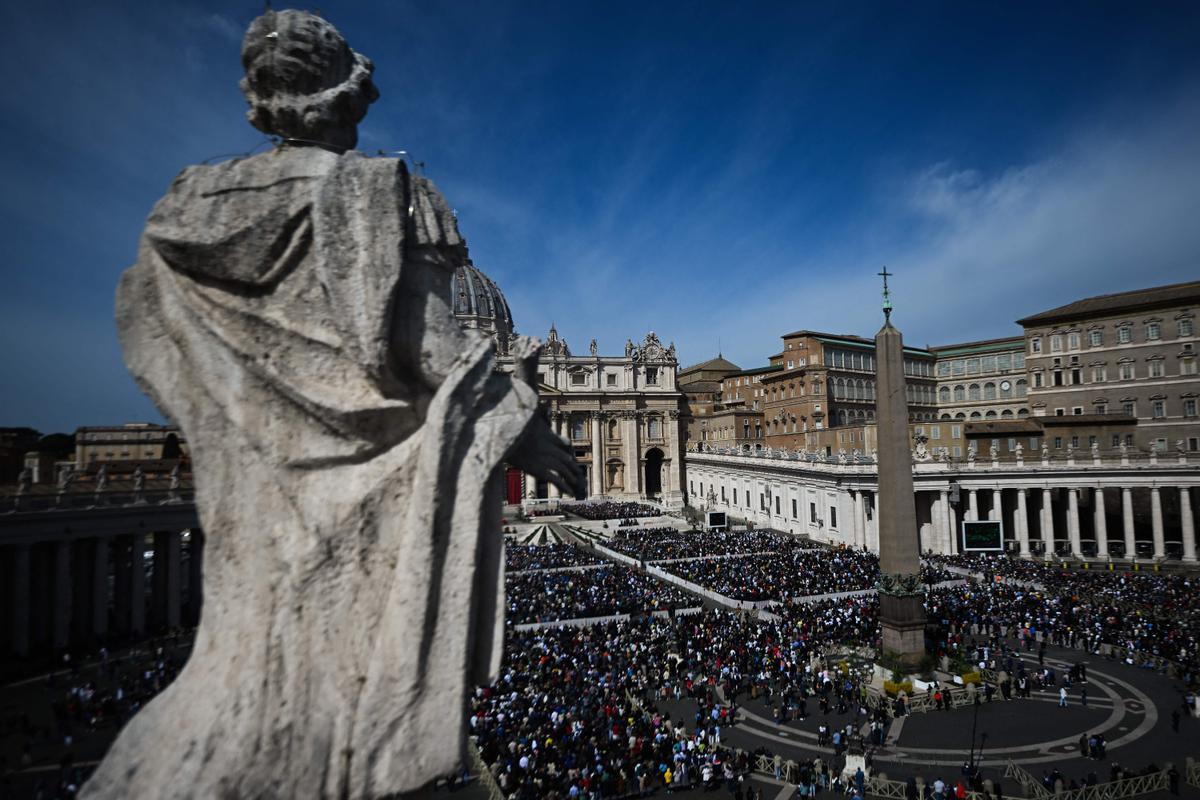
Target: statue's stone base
<point>854,762</point>
<point>903,621</point>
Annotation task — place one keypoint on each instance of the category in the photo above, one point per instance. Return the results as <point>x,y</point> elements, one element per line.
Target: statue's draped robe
<point>290,313</point>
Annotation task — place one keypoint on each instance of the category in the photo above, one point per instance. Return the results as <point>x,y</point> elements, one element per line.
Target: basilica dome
<point>478,303</point>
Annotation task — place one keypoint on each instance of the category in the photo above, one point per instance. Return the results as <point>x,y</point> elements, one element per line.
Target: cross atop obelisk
<point>887,295</point>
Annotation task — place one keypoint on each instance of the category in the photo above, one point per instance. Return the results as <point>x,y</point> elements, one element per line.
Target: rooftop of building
<point>982,346</point>
<point>720,363</point>
<point>128,426</point>
<point>1136,300</point>
<point>756,371</point>
<point>849,339</point>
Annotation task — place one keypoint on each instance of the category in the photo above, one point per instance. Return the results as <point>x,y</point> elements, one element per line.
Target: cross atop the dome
<point>887,295</point>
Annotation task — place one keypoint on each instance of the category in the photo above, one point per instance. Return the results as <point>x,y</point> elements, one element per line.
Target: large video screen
<point>982,536</point>
<point>716,519</point>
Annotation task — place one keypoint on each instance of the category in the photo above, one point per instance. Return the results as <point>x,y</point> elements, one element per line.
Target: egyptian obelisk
<point>901,596</point>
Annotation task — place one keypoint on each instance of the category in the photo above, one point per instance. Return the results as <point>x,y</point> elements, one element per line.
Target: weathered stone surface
<point>289,311</point>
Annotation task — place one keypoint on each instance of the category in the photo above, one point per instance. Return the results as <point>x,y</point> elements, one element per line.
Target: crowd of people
<point>611,509</point>
<point>524,557</point>
<point>580,594</point>
<point>87,705</point>
<point>662,544</point>
<point>795,569</point>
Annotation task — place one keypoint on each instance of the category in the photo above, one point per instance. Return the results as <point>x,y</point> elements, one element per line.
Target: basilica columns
<point>945,529</point>
<point>1100,522</point>
<point>1073,522</point>
<point>1188,523</point>
<point>997,509</point>
<point>1156,522</point>
<point>972,505</point>
<point>597,456</point>
<point>1127,523</point>
<point>166,591</point>
<point>1022,520</point>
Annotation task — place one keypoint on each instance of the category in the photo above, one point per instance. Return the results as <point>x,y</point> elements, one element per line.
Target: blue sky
<point>712,171</point>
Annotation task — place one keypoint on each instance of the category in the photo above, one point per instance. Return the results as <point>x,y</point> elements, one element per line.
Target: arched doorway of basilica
<point>654,464</point>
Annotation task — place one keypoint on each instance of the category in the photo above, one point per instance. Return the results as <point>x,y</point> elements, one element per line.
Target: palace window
<point>989,363</point>
<point>1099,374</point>
<point>1156,369</point>
<point>1124,334</point>
<point>652,375</point>
<point>578,378</point>
<point>1096,338</point>
<point>1037,380</point>
<point>611,379</point>
<point>1187,366</point>
<point>1158,408</point>
<point>1189,407</point>
<point>1019,360</point>
<point>1073,341</point>
<point>1056,343</point>
<point>973,392</point>
<point>1129,408</point>
<point>578,428</point>
<point>1035,345</point>
<point>1185,327</point>
<point>989,391</point>
<point>972,366</point>
<point>1101,408</point>
<point>1127,372</point>
<point>1153,331</point>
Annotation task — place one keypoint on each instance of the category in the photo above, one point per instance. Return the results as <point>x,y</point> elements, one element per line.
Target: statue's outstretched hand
<point>546,456</point>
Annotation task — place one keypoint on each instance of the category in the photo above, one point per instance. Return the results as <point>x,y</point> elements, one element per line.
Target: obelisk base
<point>903,622</point>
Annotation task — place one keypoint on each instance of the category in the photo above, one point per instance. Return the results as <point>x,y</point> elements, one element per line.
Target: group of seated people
<point>666,543</point>
<point>610,509</point>
<point>580,594</point>
<point>525,557</point>
<point>795,569</point>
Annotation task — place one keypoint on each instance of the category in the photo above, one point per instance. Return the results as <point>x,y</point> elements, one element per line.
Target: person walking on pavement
<point>1062,697</point>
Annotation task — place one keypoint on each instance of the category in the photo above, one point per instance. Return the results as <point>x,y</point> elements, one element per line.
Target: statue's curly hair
<point>303,81</point>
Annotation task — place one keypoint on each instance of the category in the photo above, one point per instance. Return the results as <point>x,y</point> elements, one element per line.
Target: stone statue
<point>139,485</point>
<point>592,347</point>
<point>24,480</point>
<point>1019,450</point>
<point>1045,452</point>
<point>629,348</point>
<point>1095,449</point>
<point>993,452</point>
<point>1179,446</point>
<point>290,311</point>
<point>971,455</point>
<point>176,480</point>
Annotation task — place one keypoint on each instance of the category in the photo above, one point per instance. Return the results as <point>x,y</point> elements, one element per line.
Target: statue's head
<point>303,81</point>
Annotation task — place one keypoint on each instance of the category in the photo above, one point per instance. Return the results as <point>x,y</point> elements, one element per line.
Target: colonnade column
<point>195,576</point>
<point>1188,523</point>
<point>1100,522</point>
<point>942,521</point>
<point>1073,522</point>
<point>19,597</point>
<point>972,505</point>
<point>1156,521</point>
<point>1047,523</point>
<point>952,512</point>
<point>1127,523</point>
<point>61,578</point>
<point>137,586</point>
<point>860,533</point>
<point>100,587</point>
<point>1022,519</point>
<point>997,512</point>
<point>166,590</point>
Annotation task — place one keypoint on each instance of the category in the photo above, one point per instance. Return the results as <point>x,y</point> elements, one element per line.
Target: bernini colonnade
<point>1089,507</point>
